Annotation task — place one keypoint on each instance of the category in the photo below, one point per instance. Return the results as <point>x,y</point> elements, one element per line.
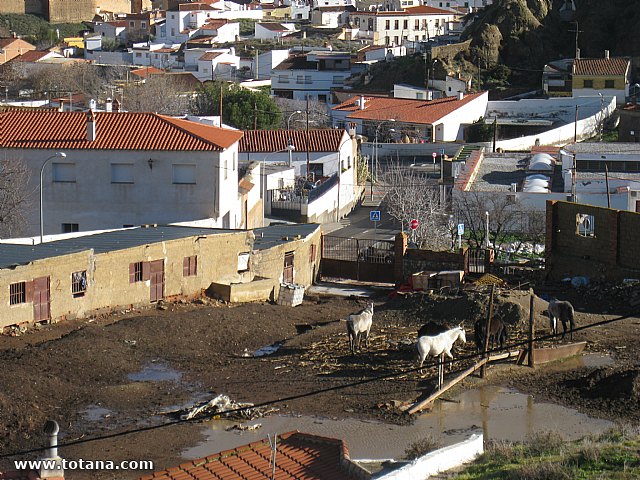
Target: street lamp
<point>486,238</point>
<point>56,155</point>
<point>289,119</point>
<point>376,147</point>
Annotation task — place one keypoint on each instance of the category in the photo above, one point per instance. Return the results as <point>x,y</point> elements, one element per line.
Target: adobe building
<point>61,11</point>
<point>101,272</point>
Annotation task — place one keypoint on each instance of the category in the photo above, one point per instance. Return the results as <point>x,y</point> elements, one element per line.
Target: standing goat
<point>564,311</point>
<point>359,324</point>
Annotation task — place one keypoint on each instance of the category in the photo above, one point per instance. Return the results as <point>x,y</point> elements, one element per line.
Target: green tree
<point>479,131</point>
<point>241,108</point>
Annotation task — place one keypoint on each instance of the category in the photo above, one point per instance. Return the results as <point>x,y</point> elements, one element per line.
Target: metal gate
<point>366,260</point>
<point>477,260</point>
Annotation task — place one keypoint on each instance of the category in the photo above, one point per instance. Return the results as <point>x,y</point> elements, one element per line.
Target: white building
<point>331,17</point>
<point>123,169</point>
<point>378,53</point>
<point>411,121</point>
<point>184,22</point>
<point>312,75</point>
<point>211,64</point>
<point>261,65</point>
<point>413,24</point>
<point>219,31</point>
<point>156,55</point>
<point>115,31</point>
<point>273,30</point>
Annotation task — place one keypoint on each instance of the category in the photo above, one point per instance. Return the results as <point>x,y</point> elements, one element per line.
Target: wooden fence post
<point>486,329</point>
<point>531,329</point>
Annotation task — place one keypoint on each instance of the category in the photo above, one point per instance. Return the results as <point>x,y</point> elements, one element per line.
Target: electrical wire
<point>318,391</point>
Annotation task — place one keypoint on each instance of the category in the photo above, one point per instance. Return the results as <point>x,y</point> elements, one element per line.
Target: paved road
<point>358,224</point>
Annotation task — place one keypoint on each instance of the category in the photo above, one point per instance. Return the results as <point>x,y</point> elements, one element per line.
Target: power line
<point>318,391</point>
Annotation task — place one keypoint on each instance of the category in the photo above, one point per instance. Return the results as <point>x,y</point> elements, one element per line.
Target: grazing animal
<point>441,343</point>
<point>497,333</point>
<point>564,311</point>
<point>431,329</point>
<point>359,325</point>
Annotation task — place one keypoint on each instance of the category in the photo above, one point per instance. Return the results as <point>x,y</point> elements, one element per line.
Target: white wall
<point>439,460</point>
<point>451,127</point>
<point>266,62</point>
<point>94,202</point>
<point>587,126</point>
<point>109,58</point>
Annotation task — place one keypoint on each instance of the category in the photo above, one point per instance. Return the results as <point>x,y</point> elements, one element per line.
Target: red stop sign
<point>414,224</point>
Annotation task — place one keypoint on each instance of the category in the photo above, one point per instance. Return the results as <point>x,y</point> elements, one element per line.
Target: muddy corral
<point>120,372</point>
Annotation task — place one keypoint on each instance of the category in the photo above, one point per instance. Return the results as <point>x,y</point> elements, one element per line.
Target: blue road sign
<point>374,215</point>
<point>461,229</point>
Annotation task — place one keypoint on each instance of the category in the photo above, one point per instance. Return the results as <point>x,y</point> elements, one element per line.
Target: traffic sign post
<point>414,224</point>
<point>374,216</point>
<point>434,155</point>
<point>460,233</point>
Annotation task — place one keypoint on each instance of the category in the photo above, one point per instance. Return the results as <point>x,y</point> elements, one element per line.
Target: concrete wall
<point>611,253</point>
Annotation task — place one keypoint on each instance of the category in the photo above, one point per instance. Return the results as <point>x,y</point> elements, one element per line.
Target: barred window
<point>17,293</point>
<point>135,272</point>
<point>79,283</point>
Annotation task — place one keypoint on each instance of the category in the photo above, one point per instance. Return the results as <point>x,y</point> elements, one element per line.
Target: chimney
<point>429,95</point>
<point>116,105</point>
<point>606,54</point>
<point>51,428</point>
<point>108,105</point>
<point>460,95</point>
<point>363,101</point>
<point>91,126</point>
<point>352,129</point>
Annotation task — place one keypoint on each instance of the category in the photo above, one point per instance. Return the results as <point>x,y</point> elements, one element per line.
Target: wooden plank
<point>502,356</point>
<point>421,405</point>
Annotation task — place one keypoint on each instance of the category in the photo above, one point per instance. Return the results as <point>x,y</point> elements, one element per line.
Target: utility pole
<point>576,31</point>
<point>575,127</point>
<point>221,105</point>
<point>495,129</point>
<point>606,180</point>
<point>255,115</point>
<point>574,171</point>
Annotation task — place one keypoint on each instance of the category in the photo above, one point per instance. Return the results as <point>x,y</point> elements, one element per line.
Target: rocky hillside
<point>525,34</point>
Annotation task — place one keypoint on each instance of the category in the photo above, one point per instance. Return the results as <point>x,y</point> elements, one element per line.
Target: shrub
<point>422,447</point>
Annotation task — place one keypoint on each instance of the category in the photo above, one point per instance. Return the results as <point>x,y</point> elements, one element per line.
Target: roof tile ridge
<point>171,121</point>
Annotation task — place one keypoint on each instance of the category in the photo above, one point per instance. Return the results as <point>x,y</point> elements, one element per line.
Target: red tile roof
<point>601,66</point>
<point>210,56</point>
<point>214,24</point>
<point>31,56</point>
<point>114,131</point>
<point>186,7</point>
<point>274,27</point>
<point>146,71</point>
<point>15,43</point>
<point>405,110</point>
<point>320,140</point>
<point>298,456</point>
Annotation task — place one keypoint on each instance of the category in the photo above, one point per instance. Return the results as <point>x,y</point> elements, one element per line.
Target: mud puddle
<point>156,372</point>
<point>498,413</point>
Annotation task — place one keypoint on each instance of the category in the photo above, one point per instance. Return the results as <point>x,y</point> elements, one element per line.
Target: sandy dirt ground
<point>115,373</point>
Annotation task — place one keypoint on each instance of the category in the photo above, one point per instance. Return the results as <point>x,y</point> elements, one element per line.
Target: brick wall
<point>611,253</point>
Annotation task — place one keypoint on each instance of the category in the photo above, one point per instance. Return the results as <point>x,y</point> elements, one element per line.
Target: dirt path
<point>80,373</point>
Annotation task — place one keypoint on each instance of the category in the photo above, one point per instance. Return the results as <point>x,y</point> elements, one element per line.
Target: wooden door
<point>41,300</point>
<point>156,272</point>
<point>287,275</point>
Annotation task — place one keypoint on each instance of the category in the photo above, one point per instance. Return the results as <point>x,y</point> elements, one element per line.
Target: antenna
<point>274,445</point>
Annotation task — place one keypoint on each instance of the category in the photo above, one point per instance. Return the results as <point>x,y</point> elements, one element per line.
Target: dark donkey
<point>497,332</point>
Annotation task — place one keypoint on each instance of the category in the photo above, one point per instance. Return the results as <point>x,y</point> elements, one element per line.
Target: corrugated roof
<point>296,62</point>
<point>405,110</point>
<point>146,71</point>
<point>320,140</point>
<point>601,66</point>
<point>266,237</point>
<point>31,56</point>
<point>298,456</point>
<point>114,131</point>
